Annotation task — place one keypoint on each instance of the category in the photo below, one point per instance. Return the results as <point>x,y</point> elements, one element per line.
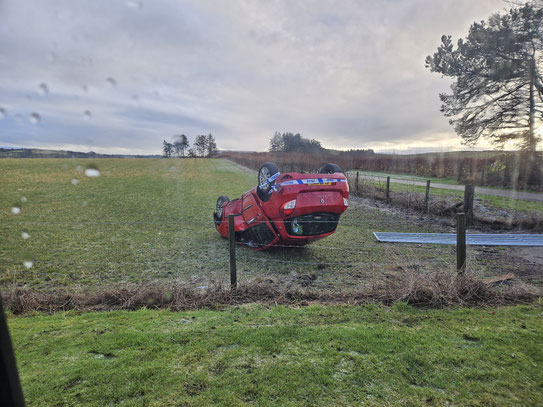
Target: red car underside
<point>262,224</point>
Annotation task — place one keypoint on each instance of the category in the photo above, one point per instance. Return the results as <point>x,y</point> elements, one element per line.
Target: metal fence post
<point>460,242</point>
<point>427,196</point>
<point>387,192</point>
<point>469,194</point>
<point>232,241</point>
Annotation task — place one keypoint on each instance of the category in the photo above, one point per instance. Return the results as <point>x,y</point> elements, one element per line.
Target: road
<point>504,193</point>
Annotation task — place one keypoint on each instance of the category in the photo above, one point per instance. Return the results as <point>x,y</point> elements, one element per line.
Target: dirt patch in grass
<point>434,290</point>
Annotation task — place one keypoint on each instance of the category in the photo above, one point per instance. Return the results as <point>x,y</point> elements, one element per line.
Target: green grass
<point>333,356</point>
<point>150,219</point>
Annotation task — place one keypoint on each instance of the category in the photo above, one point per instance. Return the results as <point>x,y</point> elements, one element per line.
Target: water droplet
<point>85,88</point>
<point>87,114</point>
<point>15,210</point>
<point>74,181</point>
<point>92,172</point>
<point>134,4</point>
<point>84,203</point>
<point>44,88</point>
<point>111,81</point>
<point>34,118</point>
<point>79,168</point>
<point>135,98</point>
<point>25,235</point>
<point>2,112</point>
<point>23,199</point>
<point>28,263</point>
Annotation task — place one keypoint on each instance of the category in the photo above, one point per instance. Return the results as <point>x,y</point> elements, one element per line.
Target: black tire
<point>330,169</point>
<point>218,215</point>
<point>263,188</point>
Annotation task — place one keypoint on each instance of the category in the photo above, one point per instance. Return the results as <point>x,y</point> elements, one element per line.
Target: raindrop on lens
<point>23,199</point>
<point>79,168</point>
<point>28,263</point>
<point>74,181</point>
<point>15,210</point>
<point>25,235</point>
<point>34,118</point>
<point>111,81</point>
<point>2,112</point>
<point>92,172</point>
<point>87,114</point>
<point>134,4</point>
<point>44,88</point>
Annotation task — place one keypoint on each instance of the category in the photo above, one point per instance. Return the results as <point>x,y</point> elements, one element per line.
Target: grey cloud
<point>348,73</point>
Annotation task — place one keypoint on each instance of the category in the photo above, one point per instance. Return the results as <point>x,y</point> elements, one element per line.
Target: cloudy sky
<point>121,76</point>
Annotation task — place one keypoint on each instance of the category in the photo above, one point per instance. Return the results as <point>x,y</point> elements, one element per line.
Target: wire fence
<point>192,251</point>
<point>98,244</point>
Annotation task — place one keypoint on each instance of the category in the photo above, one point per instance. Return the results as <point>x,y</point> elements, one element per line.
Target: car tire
<point>263,188</point>
<point>219,213</point>
<point>329,168</point>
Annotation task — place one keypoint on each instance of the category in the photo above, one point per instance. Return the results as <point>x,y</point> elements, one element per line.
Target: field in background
<point>150,220</point>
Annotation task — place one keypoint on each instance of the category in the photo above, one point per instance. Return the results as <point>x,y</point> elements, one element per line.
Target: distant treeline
<point>39,153</point>
<point>203,146</point>
<point>505,169</point>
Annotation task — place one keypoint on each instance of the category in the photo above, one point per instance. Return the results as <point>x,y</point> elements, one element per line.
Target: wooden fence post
<point>387,192</point>
<point>460,242</point>
<point>356,185</point>
<point>427,196</point>
<point>469,194</point>
<point>232,241</point>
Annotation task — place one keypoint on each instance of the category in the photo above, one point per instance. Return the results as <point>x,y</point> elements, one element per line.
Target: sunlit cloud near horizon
<point>119,77</point>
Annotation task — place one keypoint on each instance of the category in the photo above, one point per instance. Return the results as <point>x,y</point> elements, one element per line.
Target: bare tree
<point>211,145</point>
<point>167,149</point>
<point>180,145</point>
<point>200,145</point>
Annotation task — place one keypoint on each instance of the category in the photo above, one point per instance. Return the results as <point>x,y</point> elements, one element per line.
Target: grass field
<point>150,220</point>
<point>325,356</point>
<point>146,220</point>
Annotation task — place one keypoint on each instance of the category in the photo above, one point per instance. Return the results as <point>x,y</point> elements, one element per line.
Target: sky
<point>121,76</point>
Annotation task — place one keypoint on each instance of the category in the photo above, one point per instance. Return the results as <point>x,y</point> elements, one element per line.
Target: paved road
<point>505,193</point>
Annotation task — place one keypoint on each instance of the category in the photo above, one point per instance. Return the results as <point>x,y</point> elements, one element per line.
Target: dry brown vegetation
<point>439,289</point>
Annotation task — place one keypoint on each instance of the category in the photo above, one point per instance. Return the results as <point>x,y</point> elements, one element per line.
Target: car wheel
<point>219,209</point>
<point>329,169</point>
<point>266,171</point>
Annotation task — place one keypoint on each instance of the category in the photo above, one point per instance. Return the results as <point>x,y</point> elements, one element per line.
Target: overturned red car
<point>285,209</point>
